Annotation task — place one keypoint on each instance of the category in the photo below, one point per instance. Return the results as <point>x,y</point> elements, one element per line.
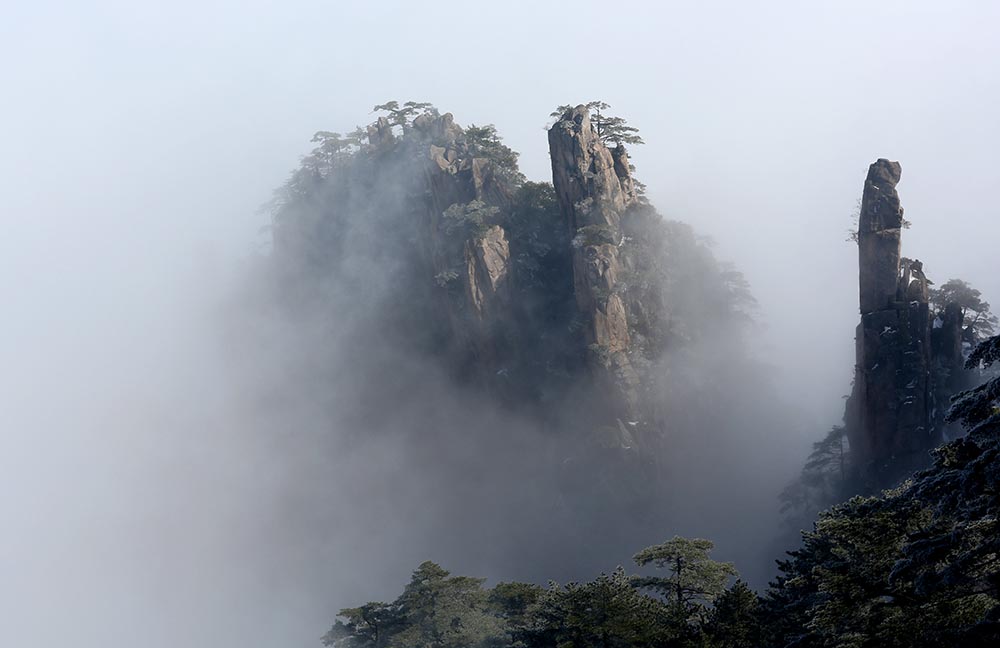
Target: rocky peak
<point>594,188</point>
<point>593,184</point>
<point>879,226</point>
<point>380,134</point>
<point>906,364</point>
<point>623,169</point>
<point>487,274</point>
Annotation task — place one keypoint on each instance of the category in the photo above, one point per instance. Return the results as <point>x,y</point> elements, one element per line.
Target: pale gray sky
<point>139,138</point>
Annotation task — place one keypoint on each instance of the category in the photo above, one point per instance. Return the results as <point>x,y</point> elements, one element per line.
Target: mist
<point>182,463</point>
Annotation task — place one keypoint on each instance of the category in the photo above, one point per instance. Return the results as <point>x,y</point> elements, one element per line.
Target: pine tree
<point>735,618</point>
<point>610,129</point>
<point>694,579</point>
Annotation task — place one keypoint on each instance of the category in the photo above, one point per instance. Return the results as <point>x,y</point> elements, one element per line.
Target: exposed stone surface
<point>893,415</point>
<point>950,375</point>
<point>453,173</point>
<point>487,273</point>
<point>879,227</point>
<point>594,188</point>
<point>380,133</point>
<point>595,276</point>
<point>623,170</point>
<point>456,177</point>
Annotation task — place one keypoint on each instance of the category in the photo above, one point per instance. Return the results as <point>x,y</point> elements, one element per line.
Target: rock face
<point>879,227</point>
<point>948,369</point>
<point>593,186</point>
<point>380,134</point>
<point>384,207</point>
<point>594,189</point>
<point>487,274</point>
<point>893,415</point>
<point>480,261</point>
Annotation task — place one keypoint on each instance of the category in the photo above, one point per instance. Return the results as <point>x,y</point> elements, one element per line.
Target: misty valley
<point>562,392</point>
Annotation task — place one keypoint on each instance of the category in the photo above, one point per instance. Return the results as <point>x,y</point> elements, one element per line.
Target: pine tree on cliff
<point>403,115</point>
<point>979,409</point>
<point>610,129</point>
<point>979,322</point>
<point>916,566</point>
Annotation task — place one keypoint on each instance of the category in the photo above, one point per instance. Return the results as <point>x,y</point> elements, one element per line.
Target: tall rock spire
<point>879,226</point>
<point>890,417</point>
<point>594,188</point>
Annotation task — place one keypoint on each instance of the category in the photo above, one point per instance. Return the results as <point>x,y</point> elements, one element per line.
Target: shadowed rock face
<point>893,415</point>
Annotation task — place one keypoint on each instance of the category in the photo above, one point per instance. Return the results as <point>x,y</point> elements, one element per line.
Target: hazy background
<point>138,141</point>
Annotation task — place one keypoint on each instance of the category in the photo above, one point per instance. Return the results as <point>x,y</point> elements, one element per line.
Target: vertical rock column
<point>594,188</point>
<point>890,417</point>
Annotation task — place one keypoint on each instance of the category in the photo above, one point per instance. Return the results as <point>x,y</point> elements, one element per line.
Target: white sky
<point>139,138</point>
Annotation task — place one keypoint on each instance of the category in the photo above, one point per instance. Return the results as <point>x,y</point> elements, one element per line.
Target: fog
<point>163,480</point>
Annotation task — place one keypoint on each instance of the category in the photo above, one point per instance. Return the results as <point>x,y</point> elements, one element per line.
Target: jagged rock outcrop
<point>380,134</point>
<point>379,209</point>
<point>594,188</point>
<point>454,174</point>
<point>479,260</point>
<point>487,274</point>
<point>893,415</point>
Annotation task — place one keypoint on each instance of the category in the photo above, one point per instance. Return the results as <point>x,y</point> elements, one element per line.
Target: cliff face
<point>474,254</point>
<point>594,188</point>
<point>404,227</point>
<point>894,416</point>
